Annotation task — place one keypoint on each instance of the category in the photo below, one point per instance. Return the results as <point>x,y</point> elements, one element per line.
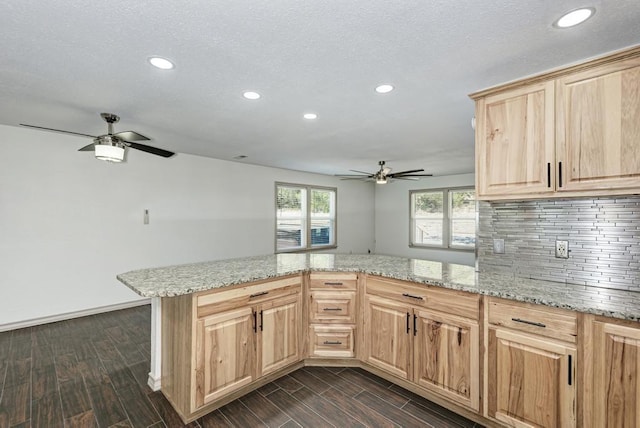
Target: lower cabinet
<point>278,334</point>
<point>388,336</point>
<point>415,341</point>
<point>538,368</point>
<point>224,357</point>
<point>446,356</point>
<point>217,342</point>
<point>613,378</point>
<point>332,314</point>
<point>531,376</point>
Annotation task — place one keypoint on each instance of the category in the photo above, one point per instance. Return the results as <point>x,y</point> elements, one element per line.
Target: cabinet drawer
<point>443,300</point>
<point>333,280</point>
<point>332,307</point>
<point>550,322</point>
<point>209,302</point>
<point>331,341</point>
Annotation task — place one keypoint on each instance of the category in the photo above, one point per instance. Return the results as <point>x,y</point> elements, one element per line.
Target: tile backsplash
<point>603,236</point>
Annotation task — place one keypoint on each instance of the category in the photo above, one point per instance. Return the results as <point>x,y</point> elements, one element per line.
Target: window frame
<point>307,219</point>
<point>446,219</point>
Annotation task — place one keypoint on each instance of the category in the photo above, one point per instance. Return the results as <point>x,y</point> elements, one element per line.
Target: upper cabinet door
<point>515,142</point>
<point>598,128</point>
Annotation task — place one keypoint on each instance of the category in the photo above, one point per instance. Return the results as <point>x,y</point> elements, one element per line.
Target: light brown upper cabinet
<point>598,128</point>
<point>570,132</point>
<point>515,147</point>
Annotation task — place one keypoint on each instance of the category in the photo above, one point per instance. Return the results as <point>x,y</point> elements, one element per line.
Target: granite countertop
<point>190,278</point>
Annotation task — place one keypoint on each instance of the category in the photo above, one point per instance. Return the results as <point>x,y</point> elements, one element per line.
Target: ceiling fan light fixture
<point>574,17</point>
<point>381,180</point>
<point>110,153</point>
<point>161,63</point>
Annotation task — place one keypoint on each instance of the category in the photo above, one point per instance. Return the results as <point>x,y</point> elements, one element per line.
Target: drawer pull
<point>263,293</point>
<point>411,296</point>
<point>537,324</point>
<point>333,283</point>
<point>332,342</point>
<point>331,309</point>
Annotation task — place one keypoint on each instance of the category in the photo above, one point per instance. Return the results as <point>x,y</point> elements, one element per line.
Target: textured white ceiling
<point>63,62</point>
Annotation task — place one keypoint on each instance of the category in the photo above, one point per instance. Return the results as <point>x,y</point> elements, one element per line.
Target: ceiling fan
<point>383,175</point>
<point>111,147</point>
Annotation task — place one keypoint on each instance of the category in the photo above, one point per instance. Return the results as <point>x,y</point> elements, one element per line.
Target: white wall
<point>70,223</point>
<point>392,219</point>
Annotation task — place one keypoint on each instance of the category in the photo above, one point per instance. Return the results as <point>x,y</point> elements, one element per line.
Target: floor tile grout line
<point>303,404</point>
<point>251,411</point>
<point>354,415</point>
<point>376,395</point>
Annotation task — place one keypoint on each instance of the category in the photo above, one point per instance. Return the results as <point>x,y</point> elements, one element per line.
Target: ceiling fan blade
<point>352,175</point>
<point>411,171</point>
<point>362,172</point>
<point>360,178</point>
<point>131,136</point>
<point>386,170</point>
<point>149,149</point>
<point>57,130</point>
<point>408,177</point>
<point>89,148</point>
<point>412,175</point>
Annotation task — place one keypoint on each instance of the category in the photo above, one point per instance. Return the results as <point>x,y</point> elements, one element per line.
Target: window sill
<point>436,247</point>
<point>308,250</point>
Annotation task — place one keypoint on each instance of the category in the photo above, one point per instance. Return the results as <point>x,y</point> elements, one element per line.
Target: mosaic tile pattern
<point>185,279</point>
<point>603,236</point>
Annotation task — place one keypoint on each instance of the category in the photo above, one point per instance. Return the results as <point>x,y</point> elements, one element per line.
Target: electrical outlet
<point>562,249</point>
<point>498,246</point>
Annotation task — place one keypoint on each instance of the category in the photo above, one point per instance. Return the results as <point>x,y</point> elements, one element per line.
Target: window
<point>305,217</point>
<point>444,218</point>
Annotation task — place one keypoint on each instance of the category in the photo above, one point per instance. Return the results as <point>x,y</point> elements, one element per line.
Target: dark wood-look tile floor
<point>92,372</point>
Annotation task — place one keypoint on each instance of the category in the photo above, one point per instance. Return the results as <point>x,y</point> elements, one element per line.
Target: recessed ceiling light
<point>575,17</point>
<point>310,116</point>
<point>250,95</point>
<point>383,89</point>
<point>161,63</point>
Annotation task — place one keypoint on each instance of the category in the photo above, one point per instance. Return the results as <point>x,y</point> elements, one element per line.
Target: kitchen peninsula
<point>441,330</point>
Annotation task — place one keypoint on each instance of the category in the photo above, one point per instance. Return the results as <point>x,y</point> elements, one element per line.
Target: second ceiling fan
<point>384,174</point>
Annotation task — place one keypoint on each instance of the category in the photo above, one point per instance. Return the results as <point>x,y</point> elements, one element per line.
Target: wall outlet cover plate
<point>562,249</point>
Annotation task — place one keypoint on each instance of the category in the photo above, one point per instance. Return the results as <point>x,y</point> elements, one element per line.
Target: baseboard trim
<point>71,315</point>
<point>154,383</point>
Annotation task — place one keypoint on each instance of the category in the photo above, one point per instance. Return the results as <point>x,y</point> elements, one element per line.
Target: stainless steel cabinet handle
<point>263,293</point>
<point>331,309</point>
<point>408,328</point>
<point>332,283</point>
<point>411,296</point>
<point>330,342</point>
<point>537,324</point>
<point>559,174</point>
